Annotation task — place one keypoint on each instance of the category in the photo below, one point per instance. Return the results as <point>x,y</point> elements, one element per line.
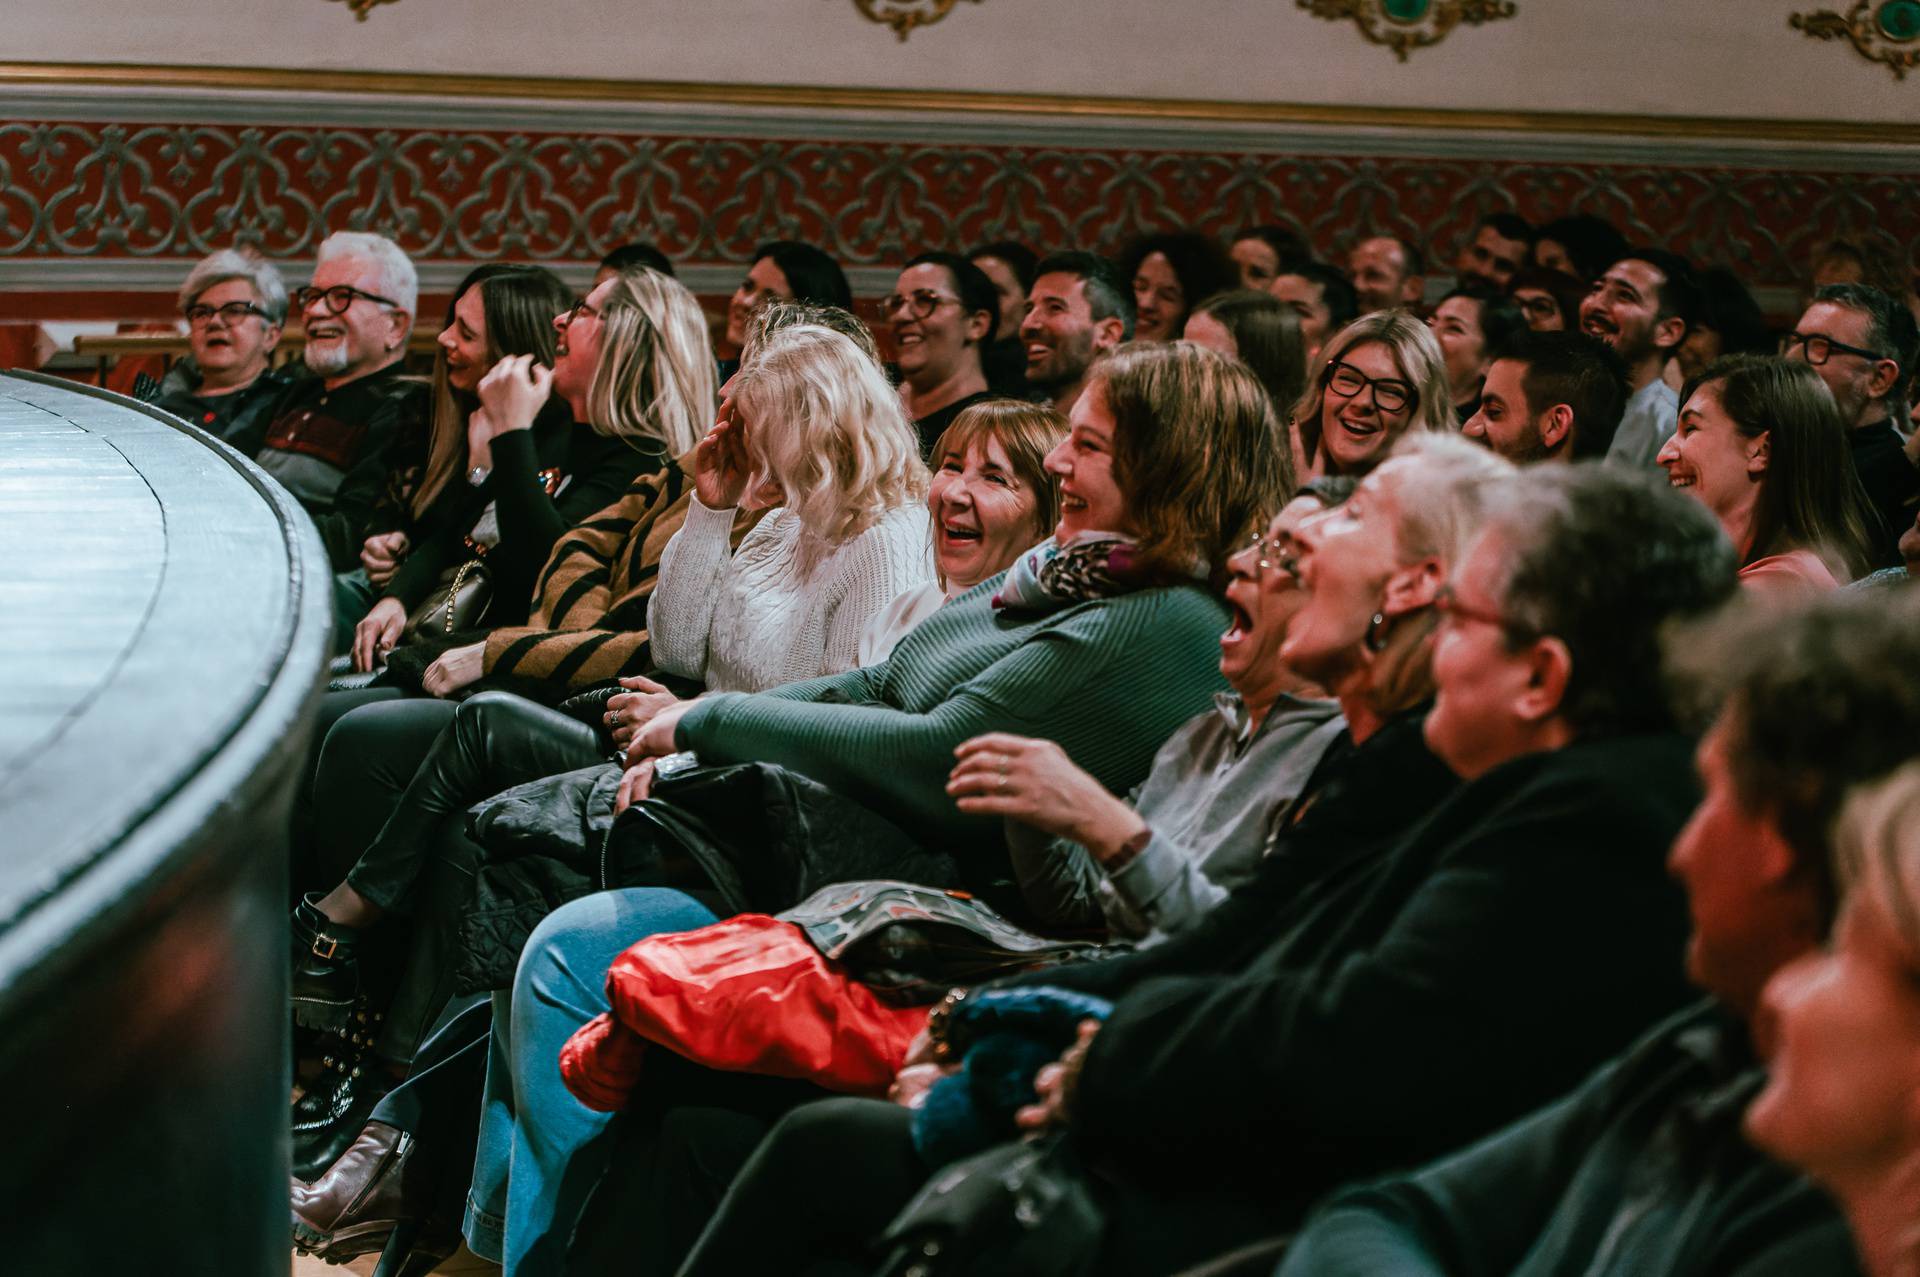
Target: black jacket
<point>1413,997</point>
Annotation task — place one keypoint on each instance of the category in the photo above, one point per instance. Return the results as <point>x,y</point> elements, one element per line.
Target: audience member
<point>1379,377</point>
<point>1387,272</point>
<point>1321,296</point>
<point>1473,325</point>
<point>1582,246</point>
<point>1297,1035</point>
<point>1010,268</point>
<point>1646,1160</point>
<point>234,305</point>
<point>941,313</point>
<point>1870,262</point>
<point>1078,311</point>
<point>627,257</point>
<point>1259,331</point>
<point>1760,445</point>
<point>342,437</point>
<point>1730,323</point>
<point>1502,243</point>
<point>1845,1030</point>
<point>1643,306</point>
<point>497,311</point>
<point>1103,642</point>
<point>1219,795</point>
<point>782,270</point>
<point>1863,344</point>
<point>1550,299</point>
<point>1554,396</point>
<point>1264,252</point>
<point>1171,273</point>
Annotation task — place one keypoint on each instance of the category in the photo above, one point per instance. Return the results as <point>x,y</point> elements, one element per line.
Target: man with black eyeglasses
<point>1862,343</point>
<point>234,305</point>
<point>333,444</point>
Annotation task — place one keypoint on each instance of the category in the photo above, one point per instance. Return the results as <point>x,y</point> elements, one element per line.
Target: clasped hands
<point>1053,1085</point>
<point>641,721</point>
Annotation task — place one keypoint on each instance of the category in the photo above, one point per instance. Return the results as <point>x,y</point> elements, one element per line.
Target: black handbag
<point>1022,1209</point>
<point>458,602</point>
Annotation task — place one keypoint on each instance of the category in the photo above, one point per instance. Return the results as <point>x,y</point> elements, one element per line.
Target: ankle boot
<point>330,1114</point>
<point>326,973</point>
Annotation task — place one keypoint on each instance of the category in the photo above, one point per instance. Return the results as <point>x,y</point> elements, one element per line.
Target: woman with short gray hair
<point>234,304</point>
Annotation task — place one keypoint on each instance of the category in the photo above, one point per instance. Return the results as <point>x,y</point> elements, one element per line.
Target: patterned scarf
<point>1051,576</point>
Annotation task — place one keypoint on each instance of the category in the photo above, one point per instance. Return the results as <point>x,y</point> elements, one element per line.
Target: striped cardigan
<point>589,617</point>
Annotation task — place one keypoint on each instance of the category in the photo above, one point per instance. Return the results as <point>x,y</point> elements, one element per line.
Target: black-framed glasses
<point>1446,601</point>
<point>1819,348</point>
<point>1538,306</point>
<point>230,314</point>
<point>338,298</point>
<point>920,303</point>
<point>1388,395</point>
<point>580,309</point>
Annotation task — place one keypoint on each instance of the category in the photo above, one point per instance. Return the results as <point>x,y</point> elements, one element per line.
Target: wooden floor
<point>463,1261</point>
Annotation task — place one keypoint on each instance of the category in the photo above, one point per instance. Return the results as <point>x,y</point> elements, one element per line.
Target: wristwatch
<point>478,475</point>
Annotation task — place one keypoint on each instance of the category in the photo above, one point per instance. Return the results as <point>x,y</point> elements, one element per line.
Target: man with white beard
<point>331,445</point>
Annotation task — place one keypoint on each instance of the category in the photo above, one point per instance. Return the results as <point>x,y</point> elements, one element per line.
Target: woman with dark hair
<point>1010,267</point>
<point>782,270</point>
<point>497,311</point>
<point>1731,323</point>
<point>1264,253</point>
<point>1473,324</point>
<point>1582,246</point>
<point>1550,299</point>
<point>1760,444</point>
<point>1262,332</point>
<point>941,313</point>
<point>1172,272</point>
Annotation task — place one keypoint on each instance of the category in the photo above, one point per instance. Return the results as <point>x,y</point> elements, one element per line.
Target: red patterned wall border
<point>166,192</point>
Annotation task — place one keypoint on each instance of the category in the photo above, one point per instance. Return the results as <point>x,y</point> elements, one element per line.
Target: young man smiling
<point>1643,306</point>
<point>1552,396</point>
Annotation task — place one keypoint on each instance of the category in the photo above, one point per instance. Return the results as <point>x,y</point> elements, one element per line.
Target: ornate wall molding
<point>1406,25</point>
<point>1883,31</point>
<point>904,16</point>
<point>107,192</point>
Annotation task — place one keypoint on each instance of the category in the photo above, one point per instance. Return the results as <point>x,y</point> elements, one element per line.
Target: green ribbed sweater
<point>1109,680</point>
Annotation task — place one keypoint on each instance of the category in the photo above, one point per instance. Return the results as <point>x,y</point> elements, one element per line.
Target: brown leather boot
<point>374,1188</point>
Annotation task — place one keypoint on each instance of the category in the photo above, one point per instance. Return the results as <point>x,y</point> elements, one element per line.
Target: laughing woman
<point>1379,377</point>
<point>1761,444</point>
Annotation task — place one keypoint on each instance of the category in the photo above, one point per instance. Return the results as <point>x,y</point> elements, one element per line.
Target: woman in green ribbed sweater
<point>1104,638</point>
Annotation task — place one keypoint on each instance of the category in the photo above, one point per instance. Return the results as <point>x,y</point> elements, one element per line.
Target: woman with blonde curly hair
<point>1381,376</point>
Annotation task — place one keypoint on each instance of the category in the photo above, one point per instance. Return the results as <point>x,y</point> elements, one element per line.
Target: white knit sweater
<point>752,620</point>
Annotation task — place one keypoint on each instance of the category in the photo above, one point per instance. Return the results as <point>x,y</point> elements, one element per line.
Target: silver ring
<point>1003,782</point>
<point>613,719</point>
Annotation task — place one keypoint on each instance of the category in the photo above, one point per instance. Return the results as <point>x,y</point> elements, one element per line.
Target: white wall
<point>1735,58</point>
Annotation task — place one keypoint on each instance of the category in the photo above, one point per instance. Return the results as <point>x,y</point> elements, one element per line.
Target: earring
<point>1376,637</point>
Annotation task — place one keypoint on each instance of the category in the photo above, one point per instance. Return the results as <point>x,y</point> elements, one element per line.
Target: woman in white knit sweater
<point>813,429</point>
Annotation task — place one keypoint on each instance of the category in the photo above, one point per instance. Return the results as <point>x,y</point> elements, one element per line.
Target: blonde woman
<point>1380,377</point>
<point>813,430</point>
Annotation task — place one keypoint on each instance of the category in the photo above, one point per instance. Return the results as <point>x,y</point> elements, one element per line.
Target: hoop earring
<point>1376,636</point>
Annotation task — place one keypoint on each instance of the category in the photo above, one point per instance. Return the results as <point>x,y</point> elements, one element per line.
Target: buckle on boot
<point>324,954</point>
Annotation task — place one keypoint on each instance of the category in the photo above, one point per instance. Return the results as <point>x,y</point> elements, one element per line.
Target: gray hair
<point>1442,497</point>
<point>393,273</point>
<point>228,263</point>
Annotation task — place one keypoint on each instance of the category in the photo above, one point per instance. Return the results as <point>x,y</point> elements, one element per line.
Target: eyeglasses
<point>580,310</point>
<point>338,298</point>
<point>230,314</point>
<point>1820,348</point>
<point>1388,395</point>
<point>1447,603</point>
<point>920,303</point>
<point>1538,307</point>
<point>1275,551</point>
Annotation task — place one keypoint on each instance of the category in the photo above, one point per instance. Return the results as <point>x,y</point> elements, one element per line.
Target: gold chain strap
<point>453,595</point>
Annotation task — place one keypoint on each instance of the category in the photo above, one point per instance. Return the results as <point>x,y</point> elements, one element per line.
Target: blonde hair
<point>1876,848</point>
<point>1416,353</point>
<point>1441,502</point>
<point>827,429</point>
<point>655,376</point>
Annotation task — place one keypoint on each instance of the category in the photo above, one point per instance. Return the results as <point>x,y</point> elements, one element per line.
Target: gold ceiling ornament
<point>902,15</point>
<point>1406,25</point>
<point>361,8</point>
<point>1887,32</point>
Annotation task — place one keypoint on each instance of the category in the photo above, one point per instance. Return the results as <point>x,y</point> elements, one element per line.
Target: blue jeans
<point>541,1151</point>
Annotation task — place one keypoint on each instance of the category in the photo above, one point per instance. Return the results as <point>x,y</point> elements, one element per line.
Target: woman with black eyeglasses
<point>941,315</point>
<point>234,305</point>
<point>1379,377</point>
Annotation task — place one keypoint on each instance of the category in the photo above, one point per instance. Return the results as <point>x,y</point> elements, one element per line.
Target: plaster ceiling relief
<point>1406,25</point>
<point>1883,31</point>
<point>904,15</point>
<point>361,8</point>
